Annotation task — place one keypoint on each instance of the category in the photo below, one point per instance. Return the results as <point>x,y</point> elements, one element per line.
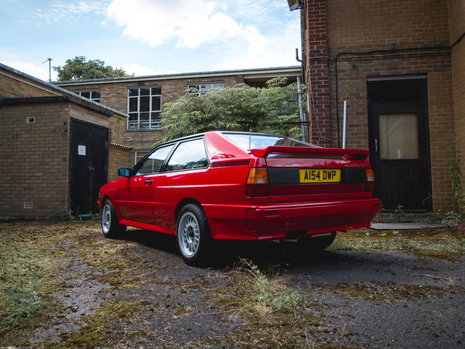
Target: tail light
<point>370,180</point>
<point>257,182</point>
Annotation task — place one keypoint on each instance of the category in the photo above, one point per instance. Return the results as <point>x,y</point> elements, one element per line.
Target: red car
<point>241,186</point>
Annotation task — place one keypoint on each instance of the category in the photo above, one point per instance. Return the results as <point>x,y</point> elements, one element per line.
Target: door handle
<point>376,145</point>
<point>148,181</point>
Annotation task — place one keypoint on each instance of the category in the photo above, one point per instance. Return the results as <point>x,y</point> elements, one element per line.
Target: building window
<point>203,87</point>
<point>144,107</point>
<point>138,155</point>
<point>93,95</point>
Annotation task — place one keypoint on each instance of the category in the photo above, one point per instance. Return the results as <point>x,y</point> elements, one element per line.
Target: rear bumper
<point>275,221</point>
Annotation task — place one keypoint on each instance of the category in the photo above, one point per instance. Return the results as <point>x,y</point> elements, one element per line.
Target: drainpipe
<point>301,111</point>
<point>344,125</point>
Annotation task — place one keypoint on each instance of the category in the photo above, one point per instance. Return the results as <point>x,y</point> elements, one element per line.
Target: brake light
<point>370,180</point>
<point>257,182</point>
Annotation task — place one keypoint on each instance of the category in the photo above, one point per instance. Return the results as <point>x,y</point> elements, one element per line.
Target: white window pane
<point>398,136</point>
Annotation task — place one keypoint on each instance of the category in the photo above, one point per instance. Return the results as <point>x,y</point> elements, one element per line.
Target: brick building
<point>400,65</point>
<point>142,98</point>
<point>55,148</point>
<point>59,146</point>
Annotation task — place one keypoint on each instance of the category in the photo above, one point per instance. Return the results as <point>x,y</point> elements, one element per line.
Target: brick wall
<point>14,88</point>
<point>34,160</point>
<point>316,66</point>
<point>118,156</point>
<point>457,29</point>
<point>376,38</point>
<point>368,24</point>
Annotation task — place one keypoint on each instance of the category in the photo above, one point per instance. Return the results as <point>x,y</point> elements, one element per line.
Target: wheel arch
<point>183,203</point>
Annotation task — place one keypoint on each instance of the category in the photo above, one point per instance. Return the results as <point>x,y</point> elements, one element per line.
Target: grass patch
<point>98,330</point>
<point>388,293</point>
<point>443,243</point>
<point>20,284</point>
<point>31,264</point>
<point>26,278</point>
<point>275,315</point>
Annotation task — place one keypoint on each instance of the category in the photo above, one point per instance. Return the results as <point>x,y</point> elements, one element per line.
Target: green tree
<point>273,108</point>
<point>78,68</point>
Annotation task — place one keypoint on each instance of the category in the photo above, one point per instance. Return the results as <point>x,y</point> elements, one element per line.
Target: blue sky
<point>147,37</point>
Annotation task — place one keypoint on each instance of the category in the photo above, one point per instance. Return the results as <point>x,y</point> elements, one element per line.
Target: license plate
<point>320,175</point>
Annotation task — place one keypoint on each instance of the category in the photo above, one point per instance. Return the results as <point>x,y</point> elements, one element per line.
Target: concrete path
<point>406,226</point>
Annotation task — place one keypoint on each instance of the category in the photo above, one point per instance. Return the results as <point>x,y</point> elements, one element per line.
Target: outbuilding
<point>55,148</point>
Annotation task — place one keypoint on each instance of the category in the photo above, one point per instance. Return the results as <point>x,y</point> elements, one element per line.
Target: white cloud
<point>278,50</point>
<point>138,70</point>
<point>190,23</point>
<point>37,71</point>
<point>62,10</point>
<point>243,33</point>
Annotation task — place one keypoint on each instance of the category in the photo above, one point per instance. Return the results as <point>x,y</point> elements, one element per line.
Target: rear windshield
<point>254,141</point>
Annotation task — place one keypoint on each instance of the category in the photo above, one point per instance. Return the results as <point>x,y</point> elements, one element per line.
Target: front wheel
<point>110,226</point>
<point>193,235</point>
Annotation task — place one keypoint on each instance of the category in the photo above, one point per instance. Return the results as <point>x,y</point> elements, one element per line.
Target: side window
<point>154,162</point>
<point>188,156</point>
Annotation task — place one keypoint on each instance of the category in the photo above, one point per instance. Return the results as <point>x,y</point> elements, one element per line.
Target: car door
<point>184,176</point>
<point>138,193</point>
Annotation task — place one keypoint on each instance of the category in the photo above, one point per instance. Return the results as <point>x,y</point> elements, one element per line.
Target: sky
<point>148,37</point>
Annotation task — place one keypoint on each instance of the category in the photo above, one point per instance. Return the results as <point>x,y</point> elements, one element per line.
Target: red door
<point>138,194</point>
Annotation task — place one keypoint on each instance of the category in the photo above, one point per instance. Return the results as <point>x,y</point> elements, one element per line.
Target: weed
<point>276,316</point>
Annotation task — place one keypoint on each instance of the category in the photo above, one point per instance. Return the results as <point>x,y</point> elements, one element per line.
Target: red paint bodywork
<point>153,201</point>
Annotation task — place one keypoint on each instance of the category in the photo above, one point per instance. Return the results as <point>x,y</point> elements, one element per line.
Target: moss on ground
<point>444,243</point>
<point>263,306</point>
<point>98,329</point>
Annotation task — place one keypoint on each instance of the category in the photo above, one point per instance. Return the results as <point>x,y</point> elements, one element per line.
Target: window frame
<point>150,111</point>
<point>91,91</point>
<point>175,144</point>
<point>194,87</point>
<point>176,148</point>
<point>141,162</point>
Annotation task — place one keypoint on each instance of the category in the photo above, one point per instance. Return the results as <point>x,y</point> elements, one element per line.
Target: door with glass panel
<point>399,151</point>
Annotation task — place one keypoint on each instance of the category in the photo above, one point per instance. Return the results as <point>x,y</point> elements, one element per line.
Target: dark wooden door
<point>399,149</point>
<point>88,165</point>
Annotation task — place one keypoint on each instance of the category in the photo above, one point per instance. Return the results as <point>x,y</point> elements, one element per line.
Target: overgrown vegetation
<point>94,333</point>
<point>238,108</point>
<point>32,260</point>
<point>257,304</point>
<point>440,243</point>
<point>24,280</point>
<point>456,215</point>
<point>20,282</point>
<point>276,315</point>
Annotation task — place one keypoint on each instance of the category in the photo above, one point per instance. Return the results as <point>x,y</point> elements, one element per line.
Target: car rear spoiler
<point>356,154</point>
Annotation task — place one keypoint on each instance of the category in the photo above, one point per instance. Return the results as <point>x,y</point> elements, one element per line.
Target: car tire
<point>193,237</point>
<point>110,226</point>
<point>318,243</point>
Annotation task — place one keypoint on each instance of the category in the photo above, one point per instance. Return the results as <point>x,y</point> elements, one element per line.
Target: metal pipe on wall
<point>344,124</point>
<point>301,111</point>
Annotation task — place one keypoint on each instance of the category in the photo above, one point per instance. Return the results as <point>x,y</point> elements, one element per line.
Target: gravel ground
<point>136,292</point>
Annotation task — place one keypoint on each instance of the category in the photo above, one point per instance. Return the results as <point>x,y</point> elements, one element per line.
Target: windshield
<point>249,141</point>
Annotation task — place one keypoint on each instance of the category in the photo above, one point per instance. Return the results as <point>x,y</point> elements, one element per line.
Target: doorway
<point>88,165</point>
<point>399,143</point>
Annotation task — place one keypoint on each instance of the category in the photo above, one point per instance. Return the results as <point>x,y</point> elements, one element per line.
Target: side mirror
<point>124,172</point>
